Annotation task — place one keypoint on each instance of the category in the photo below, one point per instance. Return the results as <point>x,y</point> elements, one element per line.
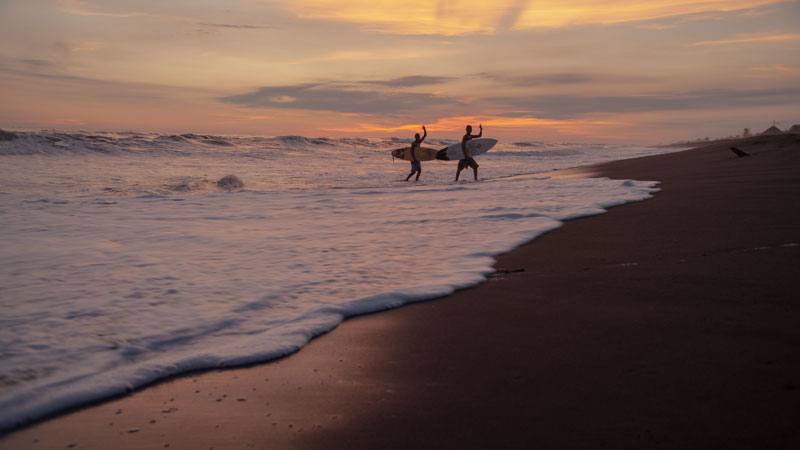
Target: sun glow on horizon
<point>451,126</point>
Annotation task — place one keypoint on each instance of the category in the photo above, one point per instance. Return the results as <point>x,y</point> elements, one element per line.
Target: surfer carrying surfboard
<point>416,166</point>
<point>468,160</point>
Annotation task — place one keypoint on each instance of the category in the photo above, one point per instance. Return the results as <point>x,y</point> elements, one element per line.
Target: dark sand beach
<point>670,323</point>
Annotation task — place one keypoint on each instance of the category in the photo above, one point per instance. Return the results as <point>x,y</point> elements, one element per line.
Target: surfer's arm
<point>424,134</point>
<point>481,132</point>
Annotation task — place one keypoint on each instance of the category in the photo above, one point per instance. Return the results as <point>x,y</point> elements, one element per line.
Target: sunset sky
<point>564,70</point>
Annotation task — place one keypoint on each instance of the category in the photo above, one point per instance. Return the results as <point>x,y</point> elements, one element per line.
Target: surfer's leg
<point>419,172</point>
<point>462,164</point>
<point>414,168</point>
<point>474,164</point>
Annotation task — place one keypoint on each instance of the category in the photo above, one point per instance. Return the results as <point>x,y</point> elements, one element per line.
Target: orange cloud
<point>381,55</point>
<point>750,38</point>
<point>452,17</point>
<point>83,8</point>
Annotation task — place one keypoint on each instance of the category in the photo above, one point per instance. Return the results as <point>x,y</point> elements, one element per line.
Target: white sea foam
<point>124,262</point>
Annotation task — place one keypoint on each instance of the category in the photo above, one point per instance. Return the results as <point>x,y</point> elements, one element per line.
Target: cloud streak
<point>568,106</point>
<point>51,75</point>
<point>449,17</point>
<point>564,78</point>
<point>370,98</point>
<point>82,8</point>
<point>377,55</point>
<point>411,81</point>
<point>237,26</point>
<point>328,97</point>
<point>512,15</point>
<point>750,39</point>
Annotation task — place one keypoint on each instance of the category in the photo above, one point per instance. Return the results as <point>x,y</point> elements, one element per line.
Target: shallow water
<point>124,262</point>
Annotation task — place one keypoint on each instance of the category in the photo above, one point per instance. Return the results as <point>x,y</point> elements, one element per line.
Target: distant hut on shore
<point>772,130</point>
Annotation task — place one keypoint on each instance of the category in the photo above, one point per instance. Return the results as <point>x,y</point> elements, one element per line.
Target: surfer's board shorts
<point>463,163</point>
<point>416,166</point>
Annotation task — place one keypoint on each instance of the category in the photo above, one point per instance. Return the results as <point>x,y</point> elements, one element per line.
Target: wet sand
<point>668,323</point>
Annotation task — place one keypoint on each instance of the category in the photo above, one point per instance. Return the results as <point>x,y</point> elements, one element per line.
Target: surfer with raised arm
<point>468,161</point>
<point>416,166</point>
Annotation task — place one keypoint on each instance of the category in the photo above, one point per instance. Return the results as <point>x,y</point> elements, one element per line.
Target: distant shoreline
<point>720,141</point>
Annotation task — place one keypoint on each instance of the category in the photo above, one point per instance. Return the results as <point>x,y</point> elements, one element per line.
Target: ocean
<point>123,260</point>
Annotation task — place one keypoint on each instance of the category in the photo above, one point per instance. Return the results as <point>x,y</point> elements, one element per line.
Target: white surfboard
<point>475,147</point>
